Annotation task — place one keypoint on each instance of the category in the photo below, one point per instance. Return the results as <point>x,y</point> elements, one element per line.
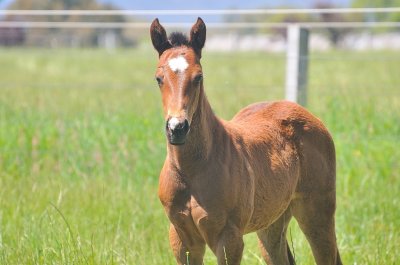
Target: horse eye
<point>198,78</point>
<point>159,80</point>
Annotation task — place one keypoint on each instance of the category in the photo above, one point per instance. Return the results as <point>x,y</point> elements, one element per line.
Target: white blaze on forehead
<point>178,64</point>
<point>173,122</point>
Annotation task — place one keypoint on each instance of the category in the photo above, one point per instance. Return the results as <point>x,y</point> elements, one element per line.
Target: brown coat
<point>223,179</point>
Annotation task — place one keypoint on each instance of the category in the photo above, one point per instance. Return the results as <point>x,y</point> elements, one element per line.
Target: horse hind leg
<point>315,216</point>
<point>273,243</point>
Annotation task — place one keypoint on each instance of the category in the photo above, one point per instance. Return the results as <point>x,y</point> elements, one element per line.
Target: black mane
<point>178,39</point>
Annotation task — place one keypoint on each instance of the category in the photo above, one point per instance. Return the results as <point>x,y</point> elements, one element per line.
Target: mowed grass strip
<point>82,144</point>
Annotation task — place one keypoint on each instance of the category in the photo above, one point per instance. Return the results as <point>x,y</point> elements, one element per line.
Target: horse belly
<point>264,217</point>
<point>274,189</point>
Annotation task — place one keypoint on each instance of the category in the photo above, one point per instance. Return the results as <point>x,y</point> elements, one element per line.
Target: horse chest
<point>190,217</point>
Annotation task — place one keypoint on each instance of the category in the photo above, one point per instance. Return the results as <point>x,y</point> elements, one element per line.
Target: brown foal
<point>223,179</point>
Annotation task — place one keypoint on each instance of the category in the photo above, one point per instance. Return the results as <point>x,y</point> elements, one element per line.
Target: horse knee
<point>229,246</point>
<point>186,251</point>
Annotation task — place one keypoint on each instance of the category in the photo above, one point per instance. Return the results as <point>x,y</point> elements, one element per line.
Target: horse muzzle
<point>176,130</point>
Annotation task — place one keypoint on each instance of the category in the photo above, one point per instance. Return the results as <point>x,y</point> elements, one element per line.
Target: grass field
<point>82,143</point>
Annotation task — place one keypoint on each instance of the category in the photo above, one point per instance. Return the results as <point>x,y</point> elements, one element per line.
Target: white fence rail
<point>197,12</point>
<point>174,13</point>
<point>233,25</point>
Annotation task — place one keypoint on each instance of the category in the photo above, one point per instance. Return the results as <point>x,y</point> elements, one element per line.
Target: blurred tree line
<point>334,34</point>
<point>395,17</point>
<point>86,37</point>
<point>64,37</point>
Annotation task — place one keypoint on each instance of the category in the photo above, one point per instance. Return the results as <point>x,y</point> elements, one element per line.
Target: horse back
<point>286,119</point>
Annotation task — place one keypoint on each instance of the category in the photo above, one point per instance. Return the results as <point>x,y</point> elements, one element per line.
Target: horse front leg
<point>229,246</point>
<point>188,249</point>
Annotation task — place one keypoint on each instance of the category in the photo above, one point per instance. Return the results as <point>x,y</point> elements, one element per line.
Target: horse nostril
<point>186,126</point>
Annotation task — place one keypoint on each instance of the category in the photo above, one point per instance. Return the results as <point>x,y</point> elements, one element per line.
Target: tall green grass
<point>82,143</point>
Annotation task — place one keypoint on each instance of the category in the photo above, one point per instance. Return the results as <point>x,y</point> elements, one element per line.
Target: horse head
<point>179,76</point>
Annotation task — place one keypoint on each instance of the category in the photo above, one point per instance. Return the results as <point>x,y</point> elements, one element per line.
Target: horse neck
<point>199,142</point>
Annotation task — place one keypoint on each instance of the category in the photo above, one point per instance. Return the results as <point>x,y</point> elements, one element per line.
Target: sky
<point>220,4</point>
<point>212,4</point>
<point>208,4</point>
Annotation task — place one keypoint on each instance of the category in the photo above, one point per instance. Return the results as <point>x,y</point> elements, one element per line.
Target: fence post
<point>296,64</point>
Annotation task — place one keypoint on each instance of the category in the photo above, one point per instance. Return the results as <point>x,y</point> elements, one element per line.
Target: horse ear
<point>198,36</point>
<point>159,37</point>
